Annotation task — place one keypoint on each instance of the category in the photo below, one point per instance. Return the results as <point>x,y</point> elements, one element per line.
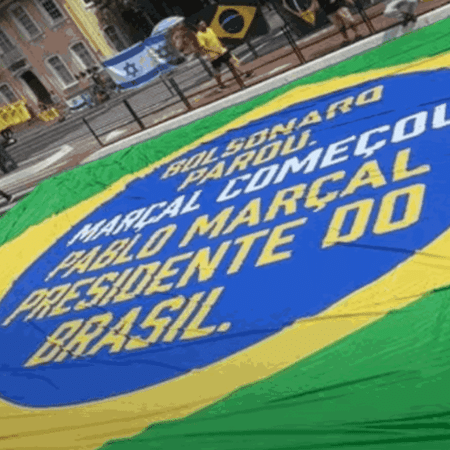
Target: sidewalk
<point>270,71</point>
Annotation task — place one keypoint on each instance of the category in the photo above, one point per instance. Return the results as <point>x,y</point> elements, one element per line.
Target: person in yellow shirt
<point>211,46</point>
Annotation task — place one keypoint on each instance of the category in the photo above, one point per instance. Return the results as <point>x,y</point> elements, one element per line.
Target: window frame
<point>11,89</point>
<point>11,41</point>
<point>57,75</point>
<point>17,54</point>
<point>20,26</point>
<point>47,16</point>
<point>78,59</point>
<point>119,34</point>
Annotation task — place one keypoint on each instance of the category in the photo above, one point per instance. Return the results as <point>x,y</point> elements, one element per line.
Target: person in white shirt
<point>402,10</point>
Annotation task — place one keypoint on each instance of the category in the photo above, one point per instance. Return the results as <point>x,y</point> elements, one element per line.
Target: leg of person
<point>348,20</point>
<point>241,73</point>
<point>401,11</point>
<point>218,78</point>
<point>404,8</point>
<point>351,23</point>
<point>233,70</point>
<point>413,4</point>
<point>216,65</point>
<point>393,10</point>
<point>339,24</point>
<point>358,35</point>
<point>409,9</point>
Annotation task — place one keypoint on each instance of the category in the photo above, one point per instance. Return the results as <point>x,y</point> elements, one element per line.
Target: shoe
<point>7,197</point>
<point>407,18</point>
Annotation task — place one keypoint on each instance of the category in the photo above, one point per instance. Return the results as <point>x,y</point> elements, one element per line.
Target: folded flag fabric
<point>139,64</point>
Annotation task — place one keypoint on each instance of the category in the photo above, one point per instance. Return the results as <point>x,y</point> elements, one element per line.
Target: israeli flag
<point>139,64</point>
<point>80,102</point>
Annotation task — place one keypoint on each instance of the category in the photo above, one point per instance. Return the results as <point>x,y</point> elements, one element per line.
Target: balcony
<point>13,59</point>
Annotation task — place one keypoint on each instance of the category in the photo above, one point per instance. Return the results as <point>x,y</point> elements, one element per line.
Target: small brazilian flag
<point>309,17</point>
<point>233,21</point>
<point>304,22</point>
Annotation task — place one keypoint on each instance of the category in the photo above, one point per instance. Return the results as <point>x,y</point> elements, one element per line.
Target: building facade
<point>126,22</point>
<point>44,46</point>
<point>160,9</point>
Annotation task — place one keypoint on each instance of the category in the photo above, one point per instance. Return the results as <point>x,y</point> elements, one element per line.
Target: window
<point>11,57</point>
<point>5,43</point>
<point>61,71</point>
<point>6,93</point>
<point>52,10</point>
<point>25,22</point>
<point>83,54</point>
<point>116,40</point>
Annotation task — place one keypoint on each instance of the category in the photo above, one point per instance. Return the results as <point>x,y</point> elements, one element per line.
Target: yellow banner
<point>49,115</point>
<point>14,114</point>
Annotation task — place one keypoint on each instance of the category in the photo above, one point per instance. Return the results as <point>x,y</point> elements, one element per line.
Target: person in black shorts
<point>211,46</point>
<point>338,13</point>
<point>223,59</point>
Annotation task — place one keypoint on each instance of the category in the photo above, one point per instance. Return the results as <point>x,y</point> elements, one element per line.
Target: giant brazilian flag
<point>273,277</point>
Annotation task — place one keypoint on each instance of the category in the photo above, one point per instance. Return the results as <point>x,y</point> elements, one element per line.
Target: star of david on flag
<point>131,70</point>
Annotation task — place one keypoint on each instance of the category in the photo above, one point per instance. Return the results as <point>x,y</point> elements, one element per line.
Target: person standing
<point>402,10</point>
<point>211,46</point>
<point>339,15</point>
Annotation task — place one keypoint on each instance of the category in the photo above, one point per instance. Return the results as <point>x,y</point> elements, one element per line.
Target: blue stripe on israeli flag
<point>146,78</point>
